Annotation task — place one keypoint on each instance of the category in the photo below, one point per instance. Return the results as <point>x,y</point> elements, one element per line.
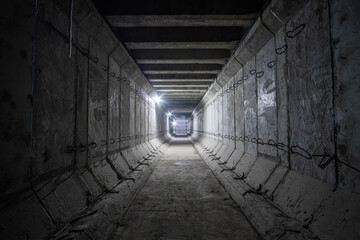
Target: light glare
<point>157,99</point>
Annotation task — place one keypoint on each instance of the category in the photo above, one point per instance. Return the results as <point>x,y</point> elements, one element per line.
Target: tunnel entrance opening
<point>181,127</point>
<point>179,124</point>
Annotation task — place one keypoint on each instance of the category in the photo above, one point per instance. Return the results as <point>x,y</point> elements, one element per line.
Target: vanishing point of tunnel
<point>173,120</point>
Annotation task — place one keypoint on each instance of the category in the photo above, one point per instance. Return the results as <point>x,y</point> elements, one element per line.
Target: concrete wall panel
<point>97,115</point>
<point>50,175</point>
<point>239,109</point>
<point>225,113</point>
<point>250,105</point>
<point>137,116</point>
<point>281,83</point>
<point>310,89</point>
<point>221,113</point>
<point>266,93</point>
<point>54,114</point>
<point>231,113</point>
<point>114,107</point>
<point>132,116</point>
<point>125,113</point>
<point>15,106</point>
<point>299,90</point>
<point>346,58</point>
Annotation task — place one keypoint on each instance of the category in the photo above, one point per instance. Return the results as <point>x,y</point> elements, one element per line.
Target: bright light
<point>174,123</point>
<point>169,114</point>
<point>157,99</point>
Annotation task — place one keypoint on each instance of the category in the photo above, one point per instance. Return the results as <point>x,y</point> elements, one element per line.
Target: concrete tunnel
<point>180,119</point>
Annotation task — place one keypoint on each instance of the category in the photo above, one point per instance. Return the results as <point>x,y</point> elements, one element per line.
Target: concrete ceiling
<point>180,45</point>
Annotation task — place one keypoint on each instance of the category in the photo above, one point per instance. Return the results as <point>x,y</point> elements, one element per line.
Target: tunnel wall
<point>280,125</point>
<point>76,126</point>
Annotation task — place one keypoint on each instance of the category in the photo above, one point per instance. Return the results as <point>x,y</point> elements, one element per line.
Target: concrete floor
<point>182,199</point>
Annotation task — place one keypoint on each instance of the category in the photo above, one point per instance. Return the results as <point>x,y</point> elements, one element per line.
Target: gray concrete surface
<point>182,199</point>
<point>79,134</point>
<point>190,45</point>
<point>289,110</point>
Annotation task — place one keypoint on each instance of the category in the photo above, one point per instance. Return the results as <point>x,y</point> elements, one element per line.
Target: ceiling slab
<point>180,53</point>
<point>183,34</point>
<point>179,85</point>
<point>244,20</point>
<point>181,76</point>
<point>181,61</point>
<point>182,72</point>
<point>180,67</point>
<point>183,7</point>
<point>181,81</point>
<point>180,46</point>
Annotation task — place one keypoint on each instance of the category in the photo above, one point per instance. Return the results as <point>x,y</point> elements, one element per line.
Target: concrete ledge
<point>269,220</point>
<point>234,158</point>
<point>63,197</point>
<point>260,172</point>
<point>245,164</point>
<point>119,164</point>
<point>278,210</point>
<point>107,210</point>
<point>274,180</point>
<point>338,216</point>
<point>104,174</point>
<point>302,201</point>
<point>75,203</point>
<point>17,220</point>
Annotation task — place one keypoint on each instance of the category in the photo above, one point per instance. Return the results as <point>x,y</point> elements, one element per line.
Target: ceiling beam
<point>182,72</point>
<point>182,109</point>
<point>181,76</point>
<point>244,20</point>
<point>179,90</point>
<point>180,53</point>
<point>179,93</point>
<point>181,61</point>
<point>182,88</point>
<point>175,98</point>
<point>181,34</point>
<point>151,67</point>
<point>181,45</point>
<point>181,84</point>
<point>179,96</point>
<point>184,81</point>
<point>182,102</point>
